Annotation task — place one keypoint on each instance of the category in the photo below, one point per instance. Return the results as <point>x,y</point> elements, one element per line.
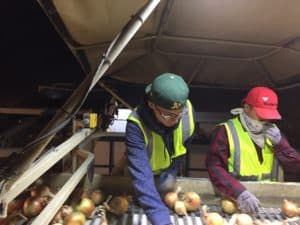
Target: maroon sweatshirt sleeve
<point>216,163</point>
<point>288,157</point>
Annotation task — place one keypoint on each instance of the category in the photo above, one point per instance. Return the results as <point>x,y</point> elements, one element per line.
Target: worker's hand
<point>273,133</point>
<point>166,182</point>
<point>247,202</point>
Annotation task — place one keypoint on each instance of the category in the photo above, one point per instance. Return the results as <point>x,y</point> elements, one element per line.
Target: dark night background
<point>32,52</point>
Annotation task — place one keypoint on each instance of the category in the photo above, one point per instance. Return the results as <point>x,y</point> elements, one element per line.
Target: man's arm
<point>288,157</point>
<point>142,177</point>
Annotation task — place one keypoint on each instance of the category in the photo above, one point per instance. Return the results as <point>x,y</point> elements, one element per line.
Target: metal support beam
<point>56,203</point>
<point>40,167</point>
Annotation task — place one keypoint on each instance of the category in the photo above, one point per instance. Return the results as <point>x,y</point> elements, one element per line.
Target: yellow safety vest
<point>243,162</point>
<point>158,154</point>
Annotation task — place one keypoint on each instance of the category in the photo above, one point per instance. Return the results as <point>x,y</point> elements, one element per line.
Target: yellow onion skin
<point>63,212</point>
<point>179,208</point>
<point>33,206</point>
<point>84,194</point>
<point>66,210</point>
<point>97,197</point>
<point>86,206</point>
<point>76,218</point>
<point>170,198</point>
<point>192,201</point>
<point>214,218</point>
<point>229,206</point>
<point>119,205</point>
<point>244,219</point>
<point>289,208</point>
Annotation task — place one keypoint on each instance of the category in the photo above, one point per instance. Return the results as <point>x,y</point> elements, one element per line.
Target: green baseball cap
<point>168,91</point>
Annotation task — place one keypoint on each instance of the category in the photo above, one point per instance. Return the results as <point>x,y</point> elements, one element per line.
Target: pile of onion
<point>192,200</point>
<point>289,208</point>
<point>212,218</point>
<point>229,206</point>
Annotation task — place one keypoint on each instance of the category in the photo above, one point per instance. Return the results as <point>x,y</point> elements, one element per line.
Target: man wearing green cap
<point>158,133</point>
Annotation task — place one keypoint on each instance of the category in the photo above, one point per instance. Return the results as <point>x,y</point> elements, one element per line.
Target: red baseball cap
<point>265,102</point>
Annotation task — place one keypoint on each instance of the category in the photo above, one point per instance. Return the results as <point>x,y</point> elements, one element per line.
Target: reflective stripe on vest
<point>250,169</point>
<point>158,154</point>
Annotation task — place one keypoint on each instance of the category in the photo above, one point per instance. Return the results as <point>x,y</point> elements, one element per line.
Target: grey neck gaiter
<point>254,127</point>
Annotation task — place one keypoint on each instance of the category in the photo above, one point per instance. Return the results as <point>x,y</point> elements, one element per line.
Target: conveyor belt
<point>136,216</point>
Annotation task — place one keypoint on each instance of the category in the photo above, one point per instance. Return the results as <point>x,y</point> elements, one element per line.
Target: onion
<point>289,208</point>
<point>10,220</point>
<point>41,190</point>
<point>33,206</point>
<point>76,218</point>
<point>179,208</point>
<point>118,205</point>
<point>244,219</point>
<point>58,218</point>
<point>192,200</point>
<point>212,218</point>
<point>15,205</point>
<point>84,194</point>
<point>86,206</point>
<point>66,210</point>
<point>63,212</point>
<point>97,197</point>
<point>229,206</point>
<point>170,198</point>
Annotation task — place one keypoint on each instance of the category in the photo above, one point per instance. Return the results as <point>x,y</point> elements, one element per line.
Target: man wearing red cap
<point>249,148</point>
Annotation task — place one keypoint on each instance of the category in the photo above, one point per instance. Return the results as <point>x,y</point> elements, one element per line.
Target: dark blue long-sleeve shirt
<point>140,168</point>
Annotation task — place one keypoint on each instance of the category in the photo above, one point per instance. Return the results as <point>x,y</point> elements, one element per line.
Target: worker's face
<point>250,111</point>
<point>166,117</point>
